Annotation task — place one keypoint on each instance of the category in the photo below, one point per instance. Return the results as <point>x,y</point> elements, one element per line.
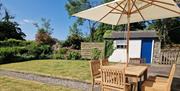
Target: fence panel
<point>86,48</point>
<point>169,57</point>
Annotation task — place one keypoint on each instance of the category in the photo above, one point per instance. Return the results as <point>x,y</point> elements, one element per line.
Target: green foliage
<point>64,53</point>
<point>10,29</point>
<point>95,54</point>
<point>8,54</point>
<point>60,54</point>
<point>96,29</point>
<point>174,36</point>
<point>43,36</point>
<point>17,50</point>
<point>107,34</point>
<point>108,48</point>
<point>14,42</point>
<point>39,51</point>
<point>74,6</point>
<point>98,35</point>
<point>73,55</point>
<point>74,39</point>
<point>164,27</point>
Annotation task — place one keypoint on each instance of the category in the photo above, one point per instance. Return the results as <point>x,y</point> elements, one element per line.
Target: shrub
<point>60,54</point>
<point>14,42</point>
<point>108,48</point>
<point>73,55</point>
<point>22,51</point>
<point>63,51</point>
<point>9,54</point>
<point>39,51</point>
<point>95,54</point>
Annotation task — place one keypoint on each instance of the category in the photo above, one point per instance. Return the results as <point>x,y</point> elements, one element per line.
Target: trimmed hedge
<point>17,50</point>
<point>13,42</point>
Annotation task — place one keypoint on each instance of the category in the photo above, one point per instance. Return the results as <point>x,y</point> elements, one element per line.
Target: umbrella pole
<point>128,38</point>
<point>128,31</point>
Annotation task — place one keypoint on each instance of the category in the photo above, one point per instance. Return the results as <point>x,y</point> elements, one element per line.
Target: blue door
<point>146,49</point>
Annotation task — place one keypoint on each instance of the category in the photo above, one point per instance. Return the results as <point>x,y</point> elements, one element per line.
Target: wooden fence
<point>86,48</point>
<point>169,56</point>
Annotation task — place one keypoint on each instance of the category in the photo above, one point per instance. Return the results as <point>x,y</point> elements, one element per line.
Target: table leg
<point>136,84</point>
<point>145,75</point>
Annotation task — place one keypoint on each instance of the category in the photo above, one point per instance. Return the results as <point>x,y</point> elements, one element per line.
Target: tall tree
<point>10,29</point>
<point>75,37</point>
<point>44,32</point>
<point>0,7</point>
<point>164,27</point>
<point>74,6</point>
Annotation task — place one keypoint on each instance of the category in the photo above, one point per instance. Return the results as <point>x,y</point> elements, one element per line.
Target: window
<point>121,46</point>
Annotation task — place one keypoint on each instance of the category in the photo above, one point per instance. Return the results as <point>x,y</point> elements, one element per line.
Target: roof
<point>133,35</point>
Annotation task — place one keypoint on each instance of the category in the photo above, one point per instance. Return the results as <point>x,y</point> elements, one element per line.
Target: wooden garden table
<point>133,71</point>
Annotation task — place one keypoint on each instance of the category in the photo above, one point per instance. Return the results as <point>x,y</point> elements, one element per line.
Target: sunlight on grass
<point>78,70</point>
<point>12,84</point>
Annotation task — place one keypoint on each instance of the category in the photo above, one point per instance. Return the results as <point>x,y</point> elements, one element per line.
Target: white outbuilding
<point>143,44</point>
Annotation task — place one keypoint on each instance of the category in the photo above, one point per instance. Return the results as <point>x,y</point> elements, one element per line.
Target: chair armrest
<point>157,79</point>
<point>162,76</point>
<point>128,84</point>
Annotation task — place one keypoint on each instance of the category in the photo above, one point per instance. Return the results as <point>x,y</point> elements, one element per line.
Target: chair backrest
<point>95,66</point>
<point>135,60</point>
<point>113,78</point>
<point>105,62</point>
<point>171,76</point>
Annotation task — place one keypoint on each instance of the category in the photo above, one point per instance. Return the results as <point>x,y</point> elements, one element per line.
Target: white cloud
<point>27,21</point>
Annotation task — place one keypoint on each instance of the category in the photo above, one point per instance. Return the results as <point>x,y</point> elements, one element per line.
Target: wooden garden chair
<point>113,79</point>
<point>162,78</point>
<point>95,73</point>
<point>159,83</point>
<point>136,61</point>
<point>105,62</point>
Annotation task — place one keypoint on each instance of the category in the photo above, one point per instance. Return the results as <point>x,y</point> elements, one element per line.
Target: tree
<point>74,6</point>
<point>44,32</point>
<point>75,38</point>
<point>0,7</point>
<point>10,29</point>
<point>164,27</point>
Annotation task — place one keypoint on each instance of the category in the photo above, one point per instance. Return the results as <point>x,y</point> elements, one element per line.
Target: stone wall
<point>157,51</point>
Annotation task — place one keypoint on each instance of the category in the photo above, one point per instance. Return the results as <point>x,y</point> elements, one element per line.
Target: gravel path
<point>153,70</point>
<point>47,79</point>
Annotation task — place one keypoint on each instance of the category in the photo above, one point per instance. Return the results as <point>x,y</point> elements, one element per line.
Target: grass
<point>12,84</point>
<point>78,70</point>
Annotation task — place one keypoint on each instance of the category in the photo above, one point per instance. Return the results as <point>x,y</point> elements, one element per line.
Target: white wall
<point>119,55</point>
<point>135,48</point>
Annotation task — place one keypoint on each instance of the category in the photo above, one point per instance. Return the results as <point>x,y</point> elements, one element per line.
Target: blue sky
<point>28,11</point>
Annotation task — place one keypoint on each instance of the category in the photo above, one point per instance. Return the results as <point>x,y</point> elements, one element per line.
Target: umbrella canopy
<point>116,12</point>
<point>129,11</point>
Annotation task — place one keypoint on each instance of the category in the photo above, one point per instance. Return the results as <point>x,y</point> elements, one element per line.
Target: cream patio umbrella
<point>129,11</point>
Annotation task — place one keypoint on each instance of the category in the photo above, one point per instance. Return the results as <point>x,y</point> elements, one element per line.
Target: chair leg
<point>92,87</point>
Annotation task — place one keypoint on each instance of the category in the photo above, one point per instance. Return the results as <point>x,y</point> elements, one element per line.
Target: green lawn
<point>78,70</point>
<point>12,84</point>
